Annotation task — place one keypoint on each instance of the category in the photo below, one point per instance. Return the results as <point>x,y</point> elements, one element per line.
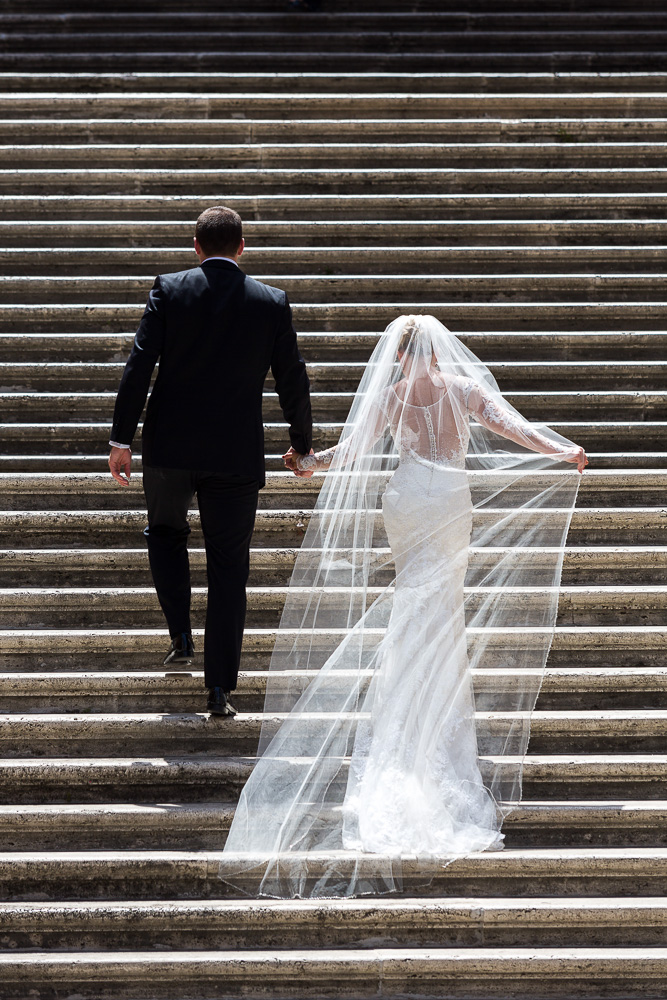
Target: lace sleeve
<point>320,460</point>
<point>349,446</point>
<point>495,417</point>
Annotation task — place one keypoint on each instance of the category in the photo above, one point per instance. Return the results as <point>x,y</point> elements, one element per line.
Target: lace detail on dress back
<point>427,429</point>
<point>431,436</point>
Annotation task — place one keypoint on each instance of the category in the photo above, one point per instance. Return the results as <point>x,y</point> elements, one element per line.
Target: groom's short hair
<point>219,230</point>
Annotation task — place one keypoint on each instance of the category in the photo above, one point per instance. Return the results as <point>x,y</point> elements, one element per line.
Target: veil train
<point>414,635</point>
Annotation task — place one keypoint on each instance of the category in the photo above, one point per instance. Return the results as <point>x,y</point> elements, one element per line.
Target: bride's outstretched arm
<point>492,415</point>
<point>363,438</point>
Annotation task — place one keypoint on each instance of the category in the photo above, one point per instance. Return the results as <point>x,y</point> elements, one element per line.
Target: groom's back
<point>220,333</point>
<point>220,327</point>
<point>214,332</point>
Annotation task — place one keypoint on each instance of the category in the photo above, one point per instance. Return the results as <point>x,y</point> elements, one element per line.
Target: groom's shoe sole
<point>220,705</point>
<point>180,652</point>
<point>222,712</point>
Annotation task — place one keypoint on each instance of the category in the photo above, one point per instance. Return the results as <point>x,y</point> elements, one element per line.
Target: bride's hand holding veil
<point>490,413</point>
<point>577,457</point>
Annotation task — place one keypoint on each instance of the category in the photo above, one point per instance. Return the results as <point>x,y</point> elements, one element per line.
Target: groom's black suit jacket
<point>216,332</point>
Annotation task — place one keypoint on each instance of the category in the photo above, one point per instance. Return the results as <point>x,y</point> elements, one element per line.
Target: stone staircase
<point>503,170</point>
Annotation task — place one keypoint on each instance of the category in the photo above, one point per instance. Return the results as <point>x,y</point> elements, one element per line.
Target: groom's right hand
<point>120,461</point>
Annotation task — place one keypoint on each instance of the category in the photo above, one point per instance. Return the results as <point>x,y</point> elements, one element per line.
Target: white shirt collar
<point>230,259</point>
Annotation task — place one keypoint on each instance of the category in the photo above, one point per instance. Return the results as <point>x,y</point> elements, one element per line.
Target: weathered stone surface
<point>526,210</point>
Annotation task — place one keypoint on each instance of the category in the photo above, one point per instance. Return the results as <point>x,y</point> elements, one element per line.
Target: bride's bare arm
<point>492,415</point>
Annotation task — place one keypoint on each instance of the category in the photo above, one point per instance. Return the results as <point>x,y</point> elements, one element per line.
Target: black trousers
<point>227,508</point>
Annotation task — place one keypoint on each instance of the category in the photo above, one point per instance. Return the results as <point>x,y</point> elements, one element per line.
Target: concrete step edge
<point>189,680</point>
<point>205,864</point>
<point>386,969</point>
<point>565,637</point>
<point>84,772</point>
<point>145,727</point>
<point>178,815</point>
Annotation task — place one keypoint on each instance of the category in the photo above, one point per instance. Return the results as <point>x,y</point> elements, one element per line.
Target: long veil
<point>477,583</point>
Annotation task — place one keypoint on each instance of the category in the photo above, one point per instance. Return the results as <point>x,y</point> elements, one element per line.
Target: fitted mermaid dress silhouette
<point>414,784</point>
<point>374,750</point>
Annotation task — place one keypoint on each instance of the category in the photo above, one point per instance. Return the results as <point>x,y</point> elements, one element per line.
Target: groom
<point>216,333</point>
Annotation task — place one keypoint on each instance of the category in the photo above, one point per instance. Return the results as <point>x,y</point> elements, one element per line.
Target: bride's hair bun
<point>411,327</point>
<point>410,342</point>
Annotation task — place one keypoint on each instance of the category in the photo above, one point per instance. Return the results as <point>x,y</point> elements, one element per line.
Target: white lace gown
<point>414,785</point>
<point>377,756</point>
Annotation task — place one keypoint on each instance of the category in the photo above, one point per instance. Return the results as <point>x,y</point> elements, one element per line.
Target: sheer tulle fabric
<point>414,635</point>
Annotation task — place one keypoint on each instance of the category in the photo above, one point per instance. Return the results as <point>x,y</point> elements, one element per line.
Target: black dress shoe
<point>219,704</point>
<point>181,650</point>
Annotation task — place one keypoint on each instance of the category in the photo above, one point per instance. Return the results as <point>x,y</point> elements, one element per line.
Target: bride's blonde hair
<point>406,344</point>
<point>409,344</point>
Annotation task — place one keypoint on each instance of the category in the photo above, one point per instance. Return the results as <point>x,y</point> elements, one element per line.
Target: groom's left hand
<point>120,461</point>
<point>290,457</point>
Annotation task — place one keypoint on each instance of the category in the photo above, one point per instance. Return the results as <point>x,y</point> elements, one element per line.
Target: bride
<point>414,637</point>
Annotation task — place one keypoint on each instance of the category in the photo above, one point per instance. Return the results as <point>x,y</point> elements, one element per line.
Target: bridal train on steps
<point>414,634</point>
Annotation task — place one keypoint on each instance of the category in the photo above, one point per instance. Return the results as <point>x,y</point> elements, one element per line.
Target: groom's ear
<point>241,248</point>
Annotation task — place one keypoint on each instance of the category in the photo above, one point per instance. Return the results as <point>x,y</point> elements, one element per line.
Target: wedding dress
<point>376,735</point>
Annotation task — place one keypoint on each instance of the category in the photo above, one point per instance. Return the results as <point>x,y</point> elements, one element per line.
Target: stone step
<point>558,153</point>
<point>276,39</point>
<point>630,405</point>
<point>612,210</point>
<point>347,349</point>
<point>334,180</point>
<point>389,6</point>
<point>167,134</point>
<point>47,246</point>
<point>198,778</point>
<point>435,33</point>
<point>122,528</point>
<point>491,52</point>
<point>77,23</point>
<point>219,82</point>
<point>608,484</point>
<point>526,287</point>
<point>343,105</point>
<point>623,973</point>
<point>586,688</point>
<point>40,497</point>
<point>98,461</point>
<point>206,777</point>
<point>552,732</point>
<point>447,922</point>
<point>195,826</point>
<point>117,262</point>
<point>384,58</point>
<point>194,875</point>
<point>77,649</point>
<point>381,6</point>
<point>204,825</point>
<point>632,564</point>
<point>569,316</point>
<point>131,607</point>
<point>82,437</point>
<point>467,973</point>
<point>331,378</point>
<point>360,31</point>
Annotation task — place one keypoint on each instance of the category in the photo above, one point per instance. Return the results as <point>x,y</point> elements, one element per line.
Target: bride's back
<point>428,417</point>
